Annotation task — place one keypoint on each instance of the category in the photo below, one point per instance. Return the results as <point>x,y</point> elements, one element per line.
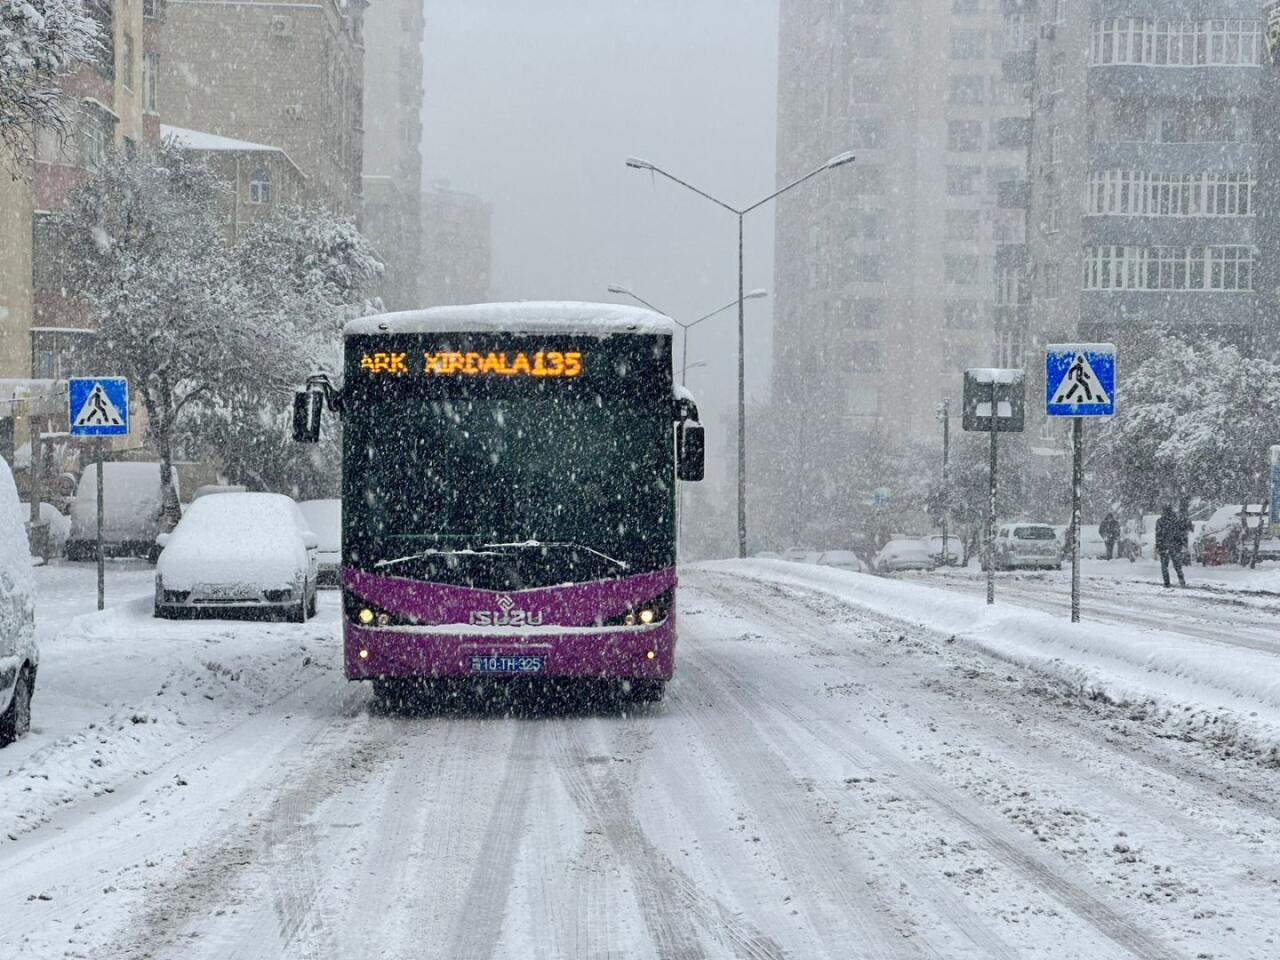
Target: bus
<point>509,477</point>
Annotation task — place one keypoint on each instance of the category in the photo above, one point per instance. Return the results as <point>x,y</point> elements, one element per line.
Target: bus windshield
<point>511,482</point>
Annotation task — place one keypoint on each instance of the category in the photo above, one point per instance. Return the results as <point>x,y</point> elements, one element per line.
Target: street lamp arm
<point>645,165</point>
<point>834,162</point>
<point>624,292</point>
<point>753,295</point>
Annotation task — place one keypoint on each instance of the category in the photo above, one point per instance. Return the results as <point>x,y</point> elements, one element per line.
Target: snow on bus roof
<point>598,319</point>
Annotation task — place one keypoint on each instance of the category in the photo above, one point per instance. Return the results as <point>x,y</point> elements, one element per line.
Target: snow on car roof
<point>598,319</point>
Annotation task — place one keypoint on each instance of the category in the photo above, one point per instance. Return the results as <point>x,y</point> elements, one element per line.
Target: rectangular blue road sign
<point>1080,380</point>
<point>98,406</point>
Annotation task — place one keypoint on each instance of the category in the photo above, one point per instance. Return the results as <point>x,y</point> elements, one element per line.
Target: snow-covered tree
<point>307,271</point>
<point>40,41</point>
<point>1197,420</point>
<point>145,248</point>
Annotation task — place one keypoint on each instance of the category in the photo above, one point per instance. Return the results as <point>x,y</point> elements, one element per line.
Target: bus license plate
<point>507,664</point>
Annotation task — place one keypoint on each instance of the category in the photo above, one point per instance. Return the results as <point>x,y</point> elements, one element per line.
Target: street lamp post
<point>839,160</point>
<point>686,327</point>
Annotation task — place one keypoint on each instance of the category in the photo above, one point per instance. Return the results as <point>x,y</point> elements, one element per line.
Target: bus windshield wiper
<point>429,554</point>
<point>562,545</point>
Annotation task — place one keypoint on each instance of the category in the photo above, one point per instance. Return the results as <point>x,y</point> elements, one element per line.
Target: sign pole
<point>946,496</point>
<point>1077,485</point>
<point>991,505</point>
<point>102,581</point>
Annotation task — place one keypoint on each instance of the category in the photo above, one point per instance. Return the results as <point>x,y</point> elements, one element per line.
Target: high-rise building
<point>288,73</point>
<point>392,217</point>
<point>1143,175</point>
<point>889,272</point>
<point>456,247</point>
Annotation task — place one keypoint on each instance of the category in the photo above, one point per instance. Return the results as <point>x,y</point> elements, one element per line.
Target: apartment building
<point>886,271</point>
<point>393,93</point>
<point>1144,190</point>
<point>287,73</point>
<point>40,329</point>
<point>456,252</point>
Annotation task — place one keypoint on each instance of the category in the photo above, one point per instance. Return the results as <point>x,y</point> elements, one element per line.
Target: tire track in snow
<point>1006,844</point>
<point>671,902</point>
<point>478,925</point>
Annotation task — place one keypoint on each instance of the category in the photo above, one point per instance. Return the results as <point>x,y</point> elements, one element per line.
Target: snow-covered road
<point>822,781</point>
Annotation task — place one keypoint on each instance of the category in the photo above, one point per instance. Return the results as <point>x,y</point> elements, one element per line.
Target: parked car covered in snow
<point>801,554</point>
<point>133,499</point>
<point>767,555</point>
<point>58,523</point>
<point>324,517</point>
<point>240,552</point>
<point>1227,537</point>
<point>903,553</point>
<point>1026,545</point>
<point>955,551</point>
<point>842,559</point>
<point>19,656</point>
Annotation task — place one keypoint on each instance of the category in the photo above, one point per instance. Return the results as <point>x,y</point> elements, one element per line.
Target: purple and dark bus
<point>509,482</point>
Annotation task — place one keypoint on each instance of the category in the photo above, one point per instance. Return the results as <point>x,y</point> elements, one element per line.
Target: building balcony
<point>1012,256</point>
<point>1112,309</point>
<point>1018,66</point>
<point>1013,195</point>
<point>1116,81</point>
<point>1010,8</point>
<point>1010,314</point>
<point>1011,133</point>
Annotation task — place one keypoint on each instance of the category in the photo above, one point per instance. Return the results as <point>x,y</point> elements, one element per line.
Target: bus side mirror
<point>307,407</point>
<point>692,449</point>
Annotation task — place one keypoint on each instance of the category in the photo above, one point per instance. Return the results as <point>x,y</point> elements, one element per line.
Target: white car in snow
<point>1026,545</point>
<point>324,517</point>
<point>19,656</point>
<point>843,560</point>
<point>903,553</point>
<point>132,504</point>
<point>241,552</point>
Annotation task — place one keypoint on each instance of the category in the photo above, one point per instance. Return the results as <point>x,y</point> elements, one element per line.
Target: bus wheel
<point>647,691</point>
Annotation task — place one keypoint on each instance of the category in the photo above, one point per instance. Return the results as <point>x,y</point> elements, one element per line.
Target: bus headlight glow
<point>364,654</point>
<point>366,616</point>
<point>629,620</point>
<point>650,655</point>
<point>646,616</point>
<point>383,619</point>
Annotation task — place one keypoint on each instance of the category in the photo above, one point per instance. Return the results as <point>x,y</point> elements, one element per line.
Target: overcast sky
<point>535,104</point>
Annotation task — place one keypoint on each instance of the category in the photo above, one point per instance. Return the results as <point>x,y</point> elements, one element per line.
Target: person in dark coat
<point>1171,540</point>
<point>1109,531</point>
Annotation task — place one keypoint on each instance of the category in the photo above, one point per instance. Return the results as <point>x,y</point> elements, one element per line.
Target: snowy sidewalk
<point>1208,688</point>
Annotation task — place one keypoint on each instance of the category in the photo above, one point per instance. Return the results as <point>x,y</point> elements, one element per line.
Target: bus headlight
<point>647,615</point>
<point>365,616</point>
<point>644,614</point>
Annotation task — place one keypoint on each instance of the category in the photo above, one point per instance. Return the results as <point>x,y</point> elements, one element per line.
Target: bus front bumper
<point>617,653</point>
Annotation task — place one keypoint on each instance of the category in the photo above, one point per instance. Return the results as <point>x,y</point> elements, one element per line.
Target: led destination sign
<point>548,363</point>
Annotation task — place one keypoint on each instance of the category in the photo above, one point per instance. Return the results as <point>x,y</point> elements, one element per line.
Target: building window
<point>864,357</point>
<point>961,270</point>
<point>963,225</point>
<point>1052,213</point>
<point>864,400</point>
<point>961,314</point>
<point>865,314</point>
<point>1176,43</point>
<point>151,8</point>
<point>126,56</point>
<point>260,186</point>
<point>870,44</point>
<point>966,8</point>
<point>868,7</point>
<point>1009,290</point>
<point>964,136</point>
<point>1055,144</point>
<point>968,90</point>
<point>963,181</point>
<point>1218,268</point>
<point>58,353</point>
<point>968,44</point>
<point>868,133</point>
<point>867,225</point>
<point>868,268</point>
<point>958,354</point>
<point>95,144</point>
<point>1057,66</point>
<point>150,82</point>
<point>1009,342</point>
<point>1139,193</point>
<point>868,180</point>
<point>1052,273</point>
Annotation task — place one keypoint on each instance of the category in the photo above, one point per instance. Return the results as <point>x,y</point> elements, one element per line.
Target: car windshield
<point>1034,533</point>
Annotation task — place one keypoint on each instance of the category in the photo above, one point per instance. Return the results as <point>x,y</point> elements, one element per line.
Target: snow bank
<point>1216,689</point>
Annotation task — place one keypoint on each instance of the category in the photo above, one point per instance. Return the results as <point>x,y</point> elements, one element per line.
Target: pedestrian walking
<point>1109,530</point>
<point>1171,540</point>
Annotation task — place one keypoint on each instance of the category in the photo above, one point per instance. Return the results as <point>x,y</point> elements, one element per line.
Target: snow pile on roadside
<point>1203,689</point>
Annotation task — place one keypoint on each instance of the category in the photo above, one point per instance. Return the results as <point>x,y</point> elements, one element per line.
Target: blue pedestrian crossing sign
<point>1080,380</point>
<point>98,406</point>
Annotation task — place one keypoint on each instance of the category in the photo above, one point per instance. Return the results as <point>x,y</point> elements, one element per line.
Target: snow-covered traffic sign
<point>98,406</point>
<point>1080,380</point>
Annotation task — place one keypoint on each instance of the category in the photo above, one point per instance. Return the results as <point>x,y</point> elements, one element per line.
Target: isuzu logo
<point>505,616</point>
